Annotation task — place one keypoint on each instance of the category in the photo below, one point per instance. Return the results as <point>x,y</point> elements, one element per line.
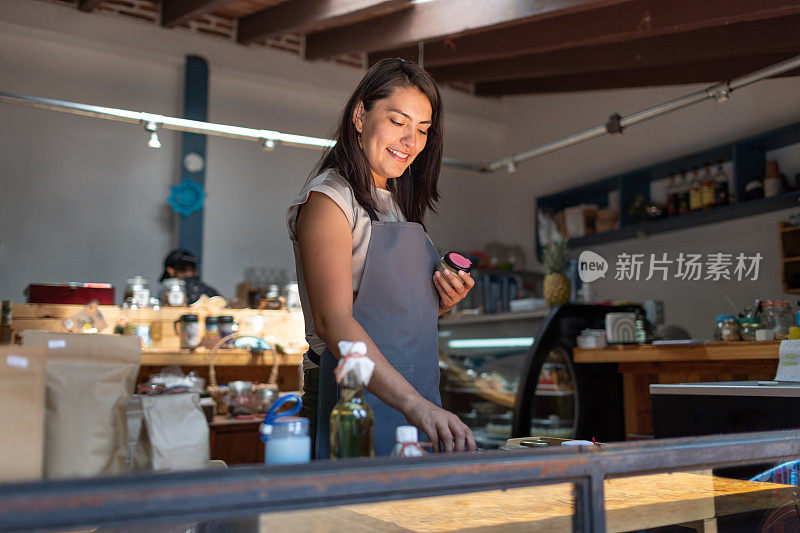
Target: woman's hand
<point>452,288</point>
<point>445,430</point>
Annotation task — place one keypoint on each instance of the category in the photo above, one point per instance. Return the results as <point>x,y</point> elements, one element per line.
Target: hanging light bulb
<point>152,141</point>
<point>268,145</point>
<point>511,167</point>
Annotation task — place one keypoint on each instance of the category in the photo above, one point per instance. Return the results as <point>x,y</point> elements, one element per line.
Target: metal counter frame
<point>205,495</point>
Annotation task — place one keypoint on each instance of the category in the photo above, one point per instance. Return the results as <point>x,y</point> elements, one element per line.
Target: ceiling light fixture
<point>268,145</point>
<point>152,129</point>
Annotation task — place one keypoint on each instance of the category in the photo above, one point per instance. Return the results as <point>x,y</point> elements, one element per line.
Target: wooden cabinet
<point>642,366</point>
<point>790,257</point>
<point>236,442</point>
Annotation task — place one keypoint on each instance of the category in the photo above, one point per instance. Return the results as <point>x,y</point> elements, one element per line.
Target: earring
<point>359,142</point>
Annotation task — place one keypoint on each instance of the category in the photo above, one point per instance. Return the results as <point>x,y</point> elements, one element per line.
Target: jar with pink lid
<point>454,261</point>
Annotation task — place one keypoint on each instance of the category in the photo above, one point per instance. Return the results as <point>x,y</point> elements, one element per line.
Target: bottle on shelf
<point>683,193</point>
<point>709,188</point>
<point>773,183</point>
<point>407,442</point>
<point>722,186</point>
<point>673,203</point>
<point>695,191</point>
<point>352,423</point>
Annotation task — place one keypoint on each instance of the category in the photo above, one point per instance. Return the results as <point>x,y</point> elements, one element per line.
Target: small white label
<point>17,361</point>
<point>56,343</point>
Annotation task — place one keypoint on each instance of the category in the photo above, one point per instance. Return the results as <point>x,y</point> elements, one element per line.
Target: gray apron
<point>398,307</point>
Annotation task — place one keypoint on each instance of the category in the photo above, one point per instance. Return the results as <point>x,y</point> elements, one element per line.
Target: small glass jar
<point>173,292</point>
<point>137,293</point>
<point>778,316</point>
<point>720,325</point>
<point>747,330</point>
<point>730,329</point>
<point>454,261</point>
<point>241,398</point>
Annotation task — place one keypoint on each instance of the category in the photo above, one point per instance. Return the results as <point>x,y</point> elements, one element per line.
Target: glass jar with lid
<point>173,292</point>
<point>137,293</point>
<point>777,315</point>
<point>241,398</point>
<point>748,328</point>
<point>724,330</point>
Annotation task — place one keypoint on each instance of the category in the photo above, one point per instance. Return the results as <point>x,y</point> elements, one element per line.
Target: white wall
<point>83,199</point>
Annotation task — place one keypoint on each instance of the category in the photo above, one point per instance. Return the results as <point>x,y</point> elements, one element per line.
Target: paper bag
<point>89,382</point>
<point>177,430</point>
<point>22,413</point>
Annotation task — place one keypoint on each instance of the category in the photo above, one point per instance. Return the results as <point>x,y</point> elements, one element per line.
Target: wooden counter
<point>641,366</point>
<point>632,503</point>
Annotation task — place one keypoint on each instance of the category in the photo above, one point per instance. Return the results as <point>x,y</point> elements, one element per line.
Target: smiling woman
<point>365,265</point>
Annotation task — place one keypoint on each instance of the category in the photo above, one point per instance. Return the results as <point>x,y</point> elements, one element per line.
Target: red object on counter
<point>70,293</point>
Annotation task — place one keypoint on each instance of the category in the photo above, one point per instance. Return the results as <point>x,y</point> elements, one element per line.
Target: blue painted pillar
<point>193,150</point>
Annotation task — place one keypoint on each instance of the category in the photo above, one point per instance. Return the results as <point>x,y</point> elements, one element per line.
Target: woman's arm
<point>325,244</point>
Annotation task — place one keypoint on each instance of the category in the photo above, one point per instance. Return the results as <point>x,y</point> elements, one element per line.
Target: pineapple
<point>556,284</point>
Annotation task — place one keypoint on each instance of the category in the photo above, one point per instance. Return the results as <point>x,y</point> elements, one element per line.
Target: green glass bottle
<point>352,422</point>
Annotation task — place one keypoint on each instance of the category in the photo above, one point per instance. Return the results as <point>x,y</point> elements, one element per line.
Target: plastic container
<point>285,436</point>
<point>406,442</point>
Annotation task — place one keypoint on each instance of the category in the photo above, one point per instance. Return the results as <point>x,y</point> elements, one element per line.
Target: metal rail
<point>205,495</point>
<point>270,138</point>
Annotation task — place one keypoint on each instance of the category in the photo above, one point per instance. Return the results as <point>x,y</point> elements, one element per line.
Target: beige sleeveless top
<point>335,187</point>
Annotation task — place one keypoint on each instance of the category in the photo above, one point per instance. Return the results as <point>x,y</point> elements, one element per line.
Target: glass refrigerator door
<point>481,361</point>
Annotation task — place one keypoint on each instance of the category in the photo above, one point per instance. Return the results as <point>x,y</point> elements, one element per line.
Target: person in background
<point>365,264</point>
<point>182,264</point>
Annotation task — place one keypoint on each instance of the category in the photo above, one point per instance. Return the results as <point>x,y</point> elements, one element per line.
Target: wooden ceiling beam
<point>689,73</point>
<point>88,5</point>
<point>605,25</point>
<point>304,16</point>
<point>177,12</point>
<point>734,40</point>
<point>437,20</point>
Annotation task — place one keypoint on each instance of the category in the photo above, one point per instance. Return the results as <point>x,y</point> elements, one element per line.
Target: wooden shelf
<point>710,351</point>
<point>747,156</point>
<point>223,358</point>
<point>690,220</point>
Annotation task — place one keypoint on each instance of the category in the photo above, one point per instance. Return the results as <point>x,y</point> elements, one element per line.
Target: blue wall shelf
<point>747,155</point>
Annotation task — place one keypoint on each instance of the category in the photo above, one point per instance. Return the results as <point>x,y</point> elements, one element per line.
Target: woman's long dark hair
<point>416,190</point>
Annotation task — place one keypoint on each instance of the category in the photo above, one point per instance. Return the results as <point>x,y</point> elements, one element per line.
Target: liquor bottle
<point>352,424</point>
<point>709,196</point>
<point>722,186</point>
<point>683,194</point>
<point>695,192</point>
<point>673,203</point>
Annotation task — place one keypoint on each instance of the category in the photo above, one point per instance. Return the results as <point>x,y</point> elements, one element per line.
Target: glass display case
<point>480,360</point>
<point>512,375</point>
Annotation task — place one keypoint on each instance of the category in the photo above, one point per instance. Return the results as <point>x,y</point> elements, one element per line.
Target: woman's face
<point>393,132</point>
